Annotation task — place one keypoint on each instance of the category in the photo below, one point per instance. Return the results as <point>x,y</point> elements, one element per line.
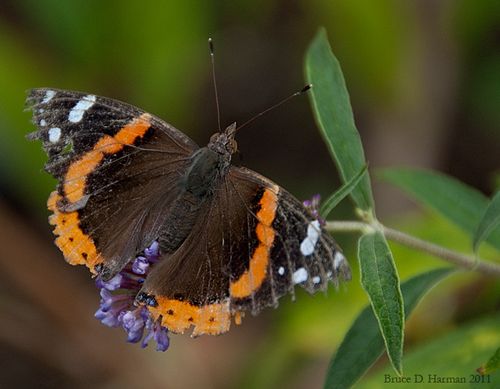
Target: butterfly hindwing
<point>242,254</point>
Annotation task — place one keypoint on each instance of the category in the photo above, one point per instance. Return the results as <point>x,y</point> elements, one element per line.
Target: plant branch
<point>459,259</point>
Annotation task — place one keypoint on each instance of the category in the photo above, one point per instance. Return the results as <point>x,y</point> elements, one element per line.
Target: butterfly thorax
<point>203,174</point>
<point>210,164</point>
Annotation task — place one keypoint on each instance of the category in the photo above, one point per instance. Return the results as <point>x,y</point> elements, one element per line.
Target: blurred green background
<point>424,78</point>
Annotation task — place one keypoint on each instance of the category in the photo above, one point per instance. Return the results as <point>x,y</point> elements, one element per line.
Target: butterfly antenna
<point>298,93</point>
<point>212,58</point>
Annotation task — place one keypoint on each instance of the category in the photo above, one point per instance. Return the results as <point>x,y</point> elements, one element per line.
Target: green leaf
<point>380,280</point>
<point>492,364</point>
<point>363,343</point>
<point>489,221</point>
<point>333,113</point>
<point>451,198</point>
<point>340,194</point>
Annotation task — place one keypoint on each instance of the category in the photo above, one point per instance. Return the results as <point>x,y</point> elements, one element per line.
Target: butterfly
<point>225,239</point>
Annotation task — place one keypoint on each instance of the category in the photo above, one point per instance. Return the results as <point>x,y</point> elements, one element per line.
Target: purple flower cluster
<point>117,302</point>
<point>313,207</point>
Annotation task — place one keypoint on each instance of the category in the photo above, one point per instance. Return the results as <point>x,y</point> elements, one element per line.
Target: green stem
<point>459,259</point>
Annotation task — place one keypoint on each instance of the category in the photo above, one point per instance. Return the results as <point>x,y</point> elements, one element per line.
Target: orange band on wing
<point>76,176</point>
<point>177,316</point>
<point>77,247</point>
<point>252,279</point>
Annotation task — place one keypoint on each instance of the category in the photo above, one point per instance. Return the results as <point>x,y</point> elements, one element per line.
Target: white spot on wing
<point>43,122</point>
<point>316,279</point>
<point>76,113</point>
<point>338,259</point>
<point>54,134</point>
<point>48,96</point>
<point>300,275</point>
<point>281,270</point>
<point>309,243</point>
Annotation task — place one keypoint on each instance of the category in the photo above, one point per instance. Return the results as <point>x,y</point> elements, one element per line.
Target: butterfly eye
<point>233,146</point>
<point>214,137</point>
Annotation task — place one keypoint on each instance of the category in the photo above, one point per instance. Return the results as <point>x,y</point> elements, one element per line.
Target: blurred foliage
<point>454,355</point>
<point>154,55</point>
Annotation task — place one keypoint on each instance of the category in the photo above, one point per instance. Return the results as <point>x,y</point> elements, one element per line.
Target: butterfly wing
<point>293,247</point>
<point>251,243</point>
<point>117,168</point>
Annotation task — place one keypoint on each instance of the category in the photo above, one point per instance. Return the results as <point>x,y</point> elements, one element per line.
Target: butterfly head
<point>224,142</point>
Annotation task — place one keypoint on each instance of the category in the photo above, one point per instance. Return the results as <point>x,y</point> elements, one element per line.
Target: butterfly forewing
<point>117,167</point>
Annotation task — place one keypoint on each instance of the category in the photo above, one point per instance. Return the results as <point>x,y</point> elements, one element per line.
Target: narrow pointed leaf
<point>454,200</point>
<point>489,222</point>
<point>333,113</point>
<point>340,194</point>
<point>380,280</point>
<point>492,364</point>
<point>363,343</point>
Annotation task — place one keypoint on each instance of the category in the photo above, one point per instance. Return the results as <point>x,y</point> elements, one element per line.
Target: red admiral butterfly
<point>226,239</point>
